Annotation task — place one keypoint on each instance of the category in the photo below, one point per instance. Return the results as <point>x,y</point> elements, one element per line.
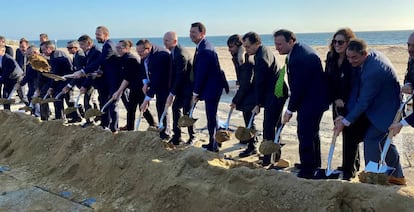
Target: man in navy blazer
<point>157,78</point>
<point>7,66</point>
<point>106,63</point>
<point>309,97</point>
<point>181,90</point>
<point>377,96</point>
<point>208,79</point>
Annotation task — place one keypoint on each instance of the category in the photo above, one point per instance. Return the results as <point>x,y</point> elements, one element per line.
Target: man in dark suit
<point>7,66</point>
<point>21,59</point>
<point>79,62</point>
<point>377,96</point>
<point>264,81</point>
<point>157,78</point>
<point>132,72</point>
<point>181,88</point>
<point>106,63</point>
<point>87,85</point>
<point>209,80</point>
<point>308,97</point>
<point>61,64</point>
<point>409,75</point>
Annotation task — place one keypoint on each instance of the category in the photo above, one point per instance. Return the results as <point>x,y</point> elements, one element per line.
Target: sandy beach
<point>135,171</point>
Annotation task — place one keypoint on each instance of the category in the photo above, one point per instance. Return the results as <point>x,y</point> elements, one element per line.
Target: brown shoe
<point>397,180</point>
<point>124,128</point>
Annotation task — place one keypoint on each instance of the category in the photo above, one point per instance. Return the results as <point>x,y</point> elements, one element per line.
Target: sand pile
<point>136,171</point>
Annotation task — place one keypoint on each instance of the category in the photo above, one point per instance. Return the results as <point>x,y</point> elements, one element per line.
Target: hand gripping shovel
<point>328,173</point>
<point>268,147</point>
<point>160,126</point>
<point>92,112</point>
<point>188,121</point>
<point>224,135</point>
<point>377,173</point>
<point>246,133</point>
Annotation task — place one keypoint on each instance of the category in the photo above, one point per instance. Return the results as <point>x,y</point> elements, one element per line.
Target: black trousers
<point>135,98</point>
<point>181,102</point>
<point>272,117</point>
<point>352,136</point>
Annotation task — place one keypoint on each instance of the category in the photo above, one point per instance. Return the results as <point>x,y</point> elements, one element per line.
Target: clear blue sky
<point>137,19</point>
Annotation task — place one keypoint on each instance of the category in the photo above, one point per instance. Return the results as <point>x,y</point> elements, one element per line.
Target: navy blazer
<point>108,50</point>
<point>61,64</point>
<point>92,58</point>
<point>245,96</point>
<point>159,71</point>
<point>265,76</point>
<point>131,71</point>
<point>181,66</point>
<point>379,92</point>
<point>208,77</point>
<point>20,59</point>
<point>307,80</point>
<point>7,67</point>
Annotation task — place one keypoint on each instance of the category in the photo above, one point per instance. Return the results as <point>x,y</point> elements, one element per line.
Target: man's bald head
<point>170,40</point>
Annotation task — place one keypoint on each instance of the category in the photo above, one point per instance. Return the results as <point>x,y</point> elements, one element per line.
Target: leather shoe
<point>211,149</point>
<point>175,140</point>
<point>306,174</point>
<point>205,146</point>
<point>397,180</point>
<point>124,128</point>
<point>247,152</point>
<point>191,140</point>
<point>74,120</point>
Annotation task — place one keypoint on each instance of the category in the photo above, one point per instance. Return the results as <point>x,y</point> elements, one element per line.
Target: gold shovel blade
<point>268,147</point>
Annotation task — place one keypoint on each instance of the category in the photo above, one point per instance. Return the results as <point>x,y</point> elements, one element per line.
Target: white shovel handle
<point>228,118</point>
<point>278,132</point>
<point>251,121</point>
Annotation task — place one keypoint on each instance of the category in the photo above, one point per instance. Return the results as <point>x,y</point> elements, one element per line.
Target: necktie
<point>280,81</point>
<point>194,64</point>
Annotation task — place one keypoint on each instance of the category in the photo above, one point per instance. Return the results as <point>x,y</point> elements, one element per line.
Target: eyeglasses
<point>70,47</point>
<point>339,42</point>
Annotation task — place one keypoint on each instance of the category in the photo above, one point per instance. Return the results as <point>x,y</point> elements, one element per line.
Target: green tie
<point>280,81</point>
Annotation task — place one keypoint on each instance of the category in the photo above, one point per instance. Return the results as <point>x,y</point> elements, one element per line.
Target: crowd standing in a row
<point>361,85</point>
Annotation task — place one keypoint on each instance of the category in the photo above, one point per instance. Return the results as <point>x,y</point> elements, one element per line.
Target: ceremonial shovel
<point>58,77</point>
<point>70,110</point>
<point>95,112</point>
<point>188,121</point>
<point>160,126</point>
<point>246,133</point>
<point>328,173</point>
<point>268,147</point>
<point>9,99</point>
<point>224,135</point>
<point>380,171</point>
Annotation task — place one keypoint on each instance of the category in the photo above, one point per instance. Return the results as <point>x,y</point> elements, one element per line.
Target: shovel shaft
<point>278,132</point>
<point>330,155</point>
<point>161,125</point>
<point>106,105</point>
<point>228,118</point>
<point>59,94</point>
<point>192,109</point>
<point>251,121</point>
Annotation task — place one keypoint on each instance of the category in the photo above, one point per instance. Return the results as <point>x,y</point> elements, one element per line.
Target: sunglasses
<point>339,42</point>
<point>70,47</point>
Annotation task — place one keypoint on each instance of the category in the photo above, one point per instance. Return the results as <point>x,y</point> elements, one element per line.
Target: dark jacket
<point>181,68</point>
<point>244,98</point>
<point>159,71</point>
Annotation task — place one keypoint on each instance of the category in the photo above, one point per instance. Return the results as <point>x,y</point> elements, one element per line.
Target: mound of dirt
<point>136,171</point>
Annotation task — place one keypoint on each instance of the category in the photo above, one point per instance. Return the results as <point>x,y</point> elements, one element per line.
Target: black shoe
<point>205,146</point>
<point>74,120</point>
<point>244,142</point>
<point>191,141</point>
<point>298,166</point>
<point>348,176</point>
<point>165,137</point>
<point>87,124</point>
<point>248,152</point>
<point>212,149</point>
<point>306,174</point>
<point>175,140</point>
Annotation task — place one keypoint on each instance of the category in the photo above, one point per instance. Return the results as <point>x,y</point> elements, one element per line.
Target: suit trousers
<point>351,137</point>
<point>136,97</point>
<point>7,88</point>
<point>211,105</point>
<point>309,141</point>
<point>272,116</point>
<point>373,143</point>
<point>160,105</point>
<point>184,102</point>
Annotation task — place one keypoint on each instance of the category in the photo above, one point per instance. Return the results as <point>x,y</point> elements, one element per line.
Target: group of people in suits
<point>361,85</point>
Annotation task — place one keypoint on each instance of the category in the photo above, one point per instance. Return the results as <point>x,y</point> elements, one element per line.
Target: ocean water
<point>313,39</point>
